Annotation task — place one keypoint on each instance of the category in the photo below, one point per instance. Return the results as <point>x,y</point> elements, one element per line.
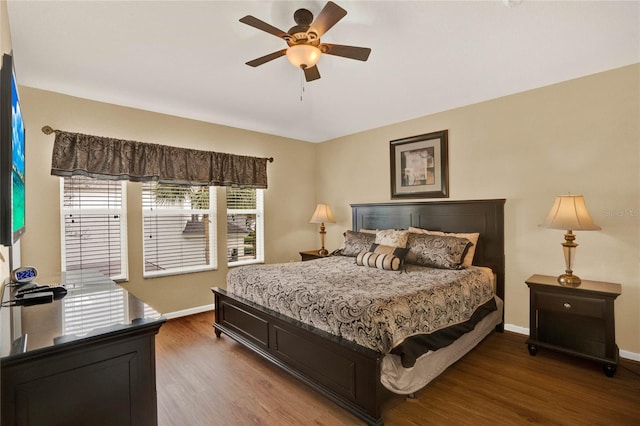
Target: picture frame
<point>420,166</point>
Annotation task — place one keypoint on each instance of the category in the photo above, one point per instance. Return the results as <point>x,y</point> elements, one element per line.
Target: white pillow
<point>368,231</point>
<point>393,238</point>
<point>473,237</point>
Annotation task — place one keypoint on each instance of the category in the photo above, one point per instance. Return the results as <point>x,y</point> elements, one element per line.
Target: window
<point>179,226</point>
<point>245,226</point>
<point>94,226</point>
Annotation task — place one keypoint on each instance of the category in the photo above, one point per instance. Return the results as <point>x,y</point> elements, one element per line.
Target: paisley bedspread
<point>374,308</point>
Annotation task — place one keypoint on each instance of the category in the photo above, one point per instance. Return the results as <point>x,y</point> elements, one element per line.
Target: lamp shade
<point>303,55</point>
<point>322,215</point>
<point>569,212</point>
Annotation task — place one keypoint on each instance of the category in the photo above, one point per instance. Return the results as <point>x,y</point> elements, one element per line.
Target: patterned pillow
<point>393,238</point>
<point>382,257</point>
<point>471,236</point>
<point>437,251</point>
<point>356,242</point>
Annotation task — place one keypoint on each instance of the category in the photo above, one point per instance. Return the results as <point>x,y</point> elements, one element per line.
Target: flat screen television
<point>12,158</point>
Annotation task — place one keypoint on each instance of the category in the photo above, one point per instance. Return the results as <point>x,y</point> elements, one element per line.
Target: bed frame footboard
<point>346,373</point>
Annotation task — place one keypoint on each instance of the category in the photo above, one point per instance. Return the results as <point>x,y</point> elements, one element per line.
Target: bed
<point>356,375</point>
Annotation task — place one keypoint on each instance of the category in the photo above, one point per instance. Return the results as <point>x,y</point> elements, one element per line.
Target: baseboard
<point>190,311</point>
<point>516,329</point>
<point>523,330</point>
<point>630,355</point>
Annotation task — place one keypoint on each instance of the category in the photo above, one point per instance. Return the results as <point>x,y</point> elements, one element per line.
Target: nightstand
<point>311,255</point>
<point>578,321</point>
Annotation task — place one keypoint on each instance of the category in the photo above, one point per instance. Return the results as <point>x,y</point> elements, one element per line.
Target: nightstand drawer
<point>574,305</point>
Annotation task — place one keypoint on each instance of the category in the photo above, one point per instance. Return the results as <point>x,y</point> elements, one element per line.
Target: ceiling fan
<point>303,39</point>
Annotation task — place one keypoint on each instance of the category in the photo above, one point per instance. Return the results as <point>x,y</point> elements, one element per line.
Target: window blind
<point>94,226</point>
<point>179,228</point>
<point>245,226</point>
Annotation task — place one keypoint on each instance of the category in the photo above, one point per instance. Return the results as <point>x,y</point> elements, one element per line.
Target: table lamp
<point>569,212</point>
<point>321,215</point>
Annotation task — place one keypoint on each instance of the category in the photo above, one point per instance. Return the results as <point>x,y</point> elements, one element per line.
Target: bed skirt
<point>401,380</point>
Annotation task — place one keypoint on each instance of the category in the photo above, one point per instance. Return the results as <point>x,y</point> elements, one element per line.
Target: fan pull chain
<point>301,85</point>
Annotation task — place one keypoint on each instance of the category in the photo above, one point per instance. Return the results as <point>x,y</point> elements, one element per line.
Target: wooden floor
<point>207,381</point>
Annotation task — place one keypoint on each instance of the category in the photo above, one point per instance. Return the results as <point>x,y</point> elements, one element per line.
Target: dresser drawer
<point>574,305</point>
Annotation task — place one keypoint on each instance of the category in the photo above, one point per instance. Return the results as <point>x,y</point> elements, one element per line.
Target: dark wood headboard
<point>483,216</point>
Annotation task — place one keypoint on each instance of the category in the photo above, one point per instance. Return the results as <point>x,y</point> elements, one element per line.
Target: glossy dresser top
<point>94,305</point>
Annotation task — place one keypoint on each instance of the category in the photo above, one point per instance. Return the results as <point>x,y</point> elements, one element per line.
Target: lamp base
<point>569,280</point>
<point>323,252</point>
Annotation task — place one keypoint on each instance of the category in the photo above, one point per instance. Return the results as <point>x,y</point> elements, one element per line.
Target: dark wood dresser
<point>578,321</point>
<point>88,359</point>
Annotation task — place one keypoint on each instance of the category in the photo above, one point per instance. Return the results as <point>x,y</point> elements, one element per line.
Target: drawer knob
<point>567,305</point>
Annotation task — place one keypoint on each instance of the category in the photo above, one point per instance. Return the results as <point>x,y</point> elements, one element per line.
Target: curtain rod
<point>47,130</point>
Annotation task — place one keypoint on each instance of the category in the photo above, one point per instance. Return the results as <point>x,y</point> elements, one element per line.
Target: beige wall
<point>289,201</point>
<point>580,136</point>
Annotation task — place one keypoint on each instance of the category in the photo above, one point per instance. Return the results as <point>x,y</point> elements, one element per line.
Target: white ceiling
<point>187,58</point>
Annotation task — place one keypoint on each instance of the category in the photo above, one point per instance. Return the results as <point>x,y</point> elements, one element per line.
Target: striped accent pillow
<point>382,257</point>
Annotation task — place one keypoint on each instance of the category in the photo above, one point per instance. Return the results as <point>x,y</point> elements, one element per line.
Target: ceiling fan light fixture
<point>303,40</point>
<point>303,55</point>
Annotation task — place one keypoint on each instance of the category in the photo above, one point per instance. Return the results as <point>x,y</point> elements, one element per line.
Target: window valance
<point>115,159</point>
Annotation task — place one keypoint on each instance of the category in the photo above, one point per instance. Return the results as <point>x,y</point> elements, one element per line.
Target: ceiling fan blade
<point>266,58</point>
<point>351,52</point>
<point>261,25</point>
<point>327,18</point>
<point>311,73</point>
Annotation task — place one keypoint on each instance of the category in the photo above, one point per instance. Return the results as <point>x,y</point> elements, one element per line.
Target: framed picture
<point>419,166</point>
